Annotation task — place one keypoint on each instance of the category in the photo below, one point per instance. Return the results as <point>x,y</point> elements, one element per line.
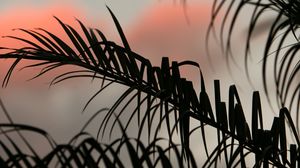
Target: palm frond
<point>281,44</point>
<point>108,61</point>
<point>90,153</point>
<point>236,143</point>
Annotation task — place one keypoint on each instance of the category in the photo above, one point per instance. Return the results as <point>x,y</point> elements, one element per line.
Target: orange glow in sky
<point>35,17</point>
<point>163,29</point>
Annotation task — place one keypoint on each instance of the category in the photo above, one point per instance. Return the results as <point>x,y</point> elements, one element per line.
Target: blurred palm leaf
<point>281,44</point>
<point>90,153</point>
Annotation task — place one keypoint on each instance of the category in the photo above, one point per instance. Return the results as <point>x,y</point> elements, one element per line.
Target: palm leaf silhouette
<point>281,43</point>
<point>177,103</point>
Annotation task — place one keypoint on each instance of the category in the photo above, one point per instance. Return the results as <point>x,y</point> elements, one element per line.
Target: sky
<point>154,28</point>
<point>143,22</point>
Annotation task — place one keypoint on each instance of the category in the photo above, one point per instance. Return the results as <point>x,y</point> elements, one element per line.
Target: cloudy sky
<point>154,28</point>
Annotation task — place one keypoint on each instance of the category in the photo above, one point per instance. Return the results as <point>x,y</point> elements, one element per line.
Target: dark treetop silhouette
<point>162,93</point>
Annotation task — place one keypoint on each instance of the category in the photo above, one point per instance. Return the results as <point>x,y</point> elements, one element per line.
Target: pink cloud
<point>163,30</point>
<point>172,31</point>
<point>34,17</point>
<point>31,17</point>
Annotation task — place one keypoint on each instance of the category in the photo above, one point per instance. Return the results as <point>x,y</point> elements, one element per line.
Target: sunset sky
<point>143,22</point>
<point>154,28</point>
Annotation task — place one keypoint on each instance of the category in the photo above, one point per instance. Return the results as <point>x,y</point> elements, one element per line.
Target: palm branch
<point>281,43</point>
<point>163,93</point>
<point>85,151</point>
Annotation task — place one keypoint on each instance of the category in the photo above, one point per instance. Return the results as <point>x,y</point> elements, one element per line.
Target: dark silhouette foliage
<point>279,19</point>
<point>163,92</point>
